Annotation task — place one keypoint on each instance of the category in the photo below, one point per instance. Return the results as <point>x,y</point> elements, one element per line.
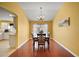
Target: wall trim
<point>66,48</point>
<point>23,43</point>
<point>12,51</point>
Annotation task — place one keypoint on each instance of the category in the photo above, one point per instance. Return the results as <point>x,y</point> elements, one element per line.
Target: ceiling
<point>5,15</point>
<point>32,9</point>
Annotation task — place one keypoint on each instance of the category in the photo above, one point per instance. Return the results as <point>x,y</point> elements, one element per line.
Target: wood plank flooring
<point>55,51</point>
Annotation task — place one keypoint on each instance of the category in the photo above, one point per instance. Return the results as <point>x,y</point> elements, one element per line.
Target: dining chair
<point>47,38</point>
<point>41,41</point>
<point>35,39</point>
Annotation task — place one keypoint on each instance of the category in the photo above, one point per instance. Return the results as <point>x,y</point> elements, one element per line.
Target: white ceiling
<point>5,15</point>
<point>32,9</point>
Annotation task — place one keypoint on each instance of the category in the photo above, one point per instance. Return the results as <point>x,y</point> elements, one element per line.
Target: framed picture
<point>64,22</point>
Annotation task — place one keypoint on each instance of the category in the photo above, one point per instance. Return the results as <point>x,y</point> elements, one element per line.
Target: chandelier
<point>41,17</point>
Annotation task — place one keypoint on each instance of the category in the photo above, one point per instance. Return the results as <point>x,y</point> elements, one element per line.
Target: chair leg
<point>44,47</point>
<point>33,46</point>
<point>48,45</point>
<point>38,47</point>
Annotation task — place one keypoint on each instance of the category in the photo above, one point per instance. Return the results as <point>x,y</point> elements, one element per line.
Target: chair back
<point>41,38</point>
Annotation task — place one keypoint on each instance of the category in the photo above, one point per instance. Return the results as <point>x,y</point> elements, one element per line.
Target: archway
<point>8,30</point>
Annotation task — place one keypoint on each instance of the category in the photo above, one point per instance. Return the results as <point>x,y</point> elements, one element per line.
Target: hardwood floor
<point>55,51</point>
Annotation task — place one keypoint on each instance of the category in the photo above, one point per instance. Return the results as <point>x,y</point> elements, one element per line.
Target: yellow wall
<point>68,35</point>
<point>22,22</point>
<point>39,22</point>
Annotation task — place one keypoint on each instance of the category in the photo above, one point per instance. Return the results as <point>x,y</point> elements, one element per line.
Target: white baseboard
<point>22,43</point>
<point>30,38</point>
<point>66,48</point>
<point>12,51</point>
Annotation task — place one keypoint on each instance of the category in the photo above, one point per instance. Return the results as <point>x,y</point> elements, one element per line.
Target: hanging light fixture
<point>41,17</point>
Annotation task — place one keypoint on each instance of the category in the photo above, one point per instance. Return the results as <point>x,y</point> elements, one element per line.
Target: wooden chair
<point>41,41</point>
<point>35,39</point>
<point>47,39</point>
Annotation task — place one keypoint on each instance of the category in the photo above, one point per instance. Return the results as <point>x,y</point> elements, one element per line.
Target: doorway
<point>7,32</point>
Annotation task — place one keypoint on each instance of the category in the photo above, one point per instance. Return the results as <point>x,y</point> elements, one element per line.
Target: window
<point>38,27</point>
